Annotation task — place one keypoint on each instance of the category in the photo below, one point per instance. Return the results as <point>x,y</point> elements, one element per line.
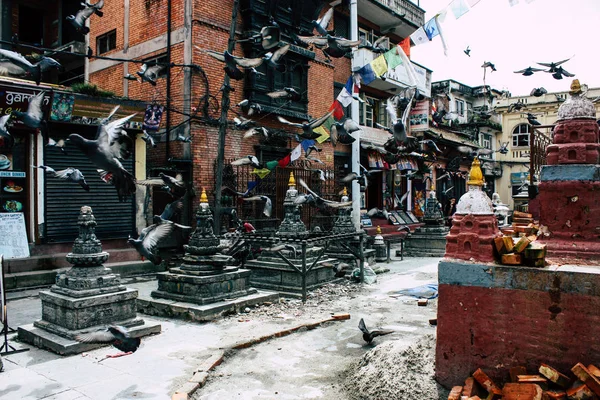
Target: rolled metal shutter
<point>64,199</point>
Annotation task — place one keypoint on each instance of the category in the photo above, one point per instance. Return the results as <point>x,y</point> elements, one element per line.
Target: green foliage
<point>91,90</point>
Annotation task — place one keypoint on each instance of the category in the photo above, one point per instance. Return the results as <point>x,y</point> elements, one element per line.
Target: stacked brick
<point>549,384</point>
<point>518,246</point>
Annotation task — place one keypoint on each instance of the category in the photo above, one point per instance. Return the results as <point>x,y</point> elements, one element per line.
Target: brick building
<point>141,30</point>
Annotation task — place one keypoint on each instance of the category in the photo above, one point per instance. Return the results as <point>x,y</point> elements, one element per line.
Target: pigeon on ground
<point>268,204</point>
<point>286,93</point>
<point>553,66</point>
<point>7,139</point>
<point>115,335</point>
<point>528,71</point>
<point>148,139</point>
<point>34,115</point>
<point>307,127</point>
<point>467,51</point>
<point>150,73</point>
<point>368,336</point>
<point>538,92</point>
<point>69,174</point>
<point>149,238</point>
<point>175,186</point>
<point>248,160</point>
<point>342,131</point>
<point>111,145</point>
<point>78,20</point>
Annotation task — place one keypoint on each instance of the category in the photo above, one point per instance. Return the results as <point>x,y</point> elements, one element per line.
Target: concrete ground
<point>304,365</point>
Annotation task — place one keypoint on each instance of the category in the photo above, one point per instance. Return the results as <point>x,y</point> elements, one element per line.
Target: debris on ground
<point>581,383</point>
<point>393,371</point>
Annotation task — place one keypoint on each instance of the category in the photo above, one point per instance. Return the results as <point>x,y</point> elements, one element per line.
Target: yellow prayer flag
<point>379,65</point>
<point>261,172</point>
<point>324,134</point>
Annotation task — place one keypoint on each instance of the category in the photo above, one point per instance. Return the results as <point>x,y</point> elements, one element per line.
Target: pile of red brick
<point>517,246</point>
<point>550,384</point>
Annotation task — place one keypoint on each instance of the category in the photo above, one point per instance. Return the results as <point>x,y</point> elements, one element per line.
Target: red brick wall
<point>495,329</point>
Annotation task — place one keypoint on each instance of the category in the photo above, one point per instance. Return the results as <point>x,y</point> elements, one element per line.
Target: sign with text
<point>419,116</point>
<point>17,99</point>
<point>13,237</point>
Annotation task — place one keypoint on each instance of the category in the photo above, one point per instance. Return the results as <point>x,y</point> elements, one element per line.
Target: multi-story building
<point>193,97</point>
<point>513,184</point>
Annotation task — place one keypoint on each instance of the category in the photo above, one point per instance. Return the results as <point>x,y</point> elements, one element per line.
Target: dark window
<point>31,25</point>
<point>520,136</point>
<point>161,59</point>
<point>106,42</point>
<point>341,24</point>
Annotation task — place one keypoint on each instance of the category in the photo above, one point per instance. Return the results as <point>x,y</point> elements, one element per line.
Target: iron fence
<point>541,137</point>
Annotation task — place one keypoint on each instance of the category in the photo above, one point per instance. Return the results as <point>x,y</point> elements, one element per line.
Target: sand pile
<point>393,371</point>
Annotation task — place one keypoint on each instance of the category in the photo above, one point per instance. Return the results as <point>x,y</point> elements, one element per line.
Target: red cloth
<point>285,161</point>
<point>405,44</point>
<point>338,111</point>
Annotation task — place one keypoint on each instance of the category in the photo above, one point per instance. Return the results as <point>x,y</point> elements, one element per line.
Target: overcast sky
<point>514,38</point>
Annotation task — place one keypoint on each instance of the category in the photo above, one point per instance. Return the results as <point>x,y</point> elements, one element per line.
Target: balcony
<point>400,17</point>
<point>394,80</point>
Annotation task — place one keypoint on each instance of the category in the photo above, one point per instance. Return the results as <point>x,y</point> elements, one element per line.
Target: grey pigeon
<point>34,115</point>
<point>272,58</point>
<point>308,126</point>
<point>553,66</point>
<point>150,74</point>
<point>184,139</point>
<point>175,186</point>
<point>362,178</point>
<point>268,204</point>
<point>560,72</point>
<point>131,77</point>
<point>243,123</point>
<point>516,107</point>
<point>279,247</point>
<point>538,92</point>
<point>69,174</point>
<point>115,335</point>
<point>321,202</point>
<point>342,131</point>
<point>532,119</point>
<point>14,63</point>
<point>248,160</point>
<point>111,145</point>
<point>172,210</point>
<point>333,46</point>
<point>489,65</point>
<point>368,336</point>
<point>321,24</point>
<point>257,131</point>
<point>148,139</point>
<point>78,20</point>
<point>474,152</point>
<point>286,93</point>
<point>7,139</point>
<point>528,71</point>
<point>467,51</point>
<point>60,144</point>
<point>232,62</point>
<point>503,148</point>
<point>149,238</point>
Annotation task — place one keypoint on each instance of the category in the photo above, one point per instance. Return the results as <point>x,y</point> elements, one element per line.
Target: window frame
<point>460,110</point>
<point>518,133</point>
<point>112,34</point>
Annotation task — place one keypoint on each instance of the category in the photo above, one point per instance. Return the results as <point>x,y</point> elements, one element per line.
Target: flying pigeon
<point>431,144</point>
<point>149,238</point>
<point>503,148</point>
<point>553,66</point>
<point>60,144</point>
<point>528,71</point>
<point>516,107</point>
<point>33,117</point>
<point>115,335</point>
<point>368,336</point>
<point>78,20</point>
<point>68,174</point>
<point>248,160</point>
<point>184,139</point>
<point>538,92</point>
<point>268,204</point>
<point>111,145</point>
<point>490,65</point>
<point>321,24</point>
<point>175,186</point>
<point>560,72</point>
<point>257,131</point>
<point>172,210</point>
<point>341,131</point>
<point>377,46</point>
<point>532,119</point>
<point>286,93</point>
<point>331,46</point>
<point>307,127</point>
<point>131,77</point>
<point>474,152</point>
<point>321,202</point>
<point>148,139</point>
<point>150,74</point>
<point>467,51</point>
<point>13,62</point>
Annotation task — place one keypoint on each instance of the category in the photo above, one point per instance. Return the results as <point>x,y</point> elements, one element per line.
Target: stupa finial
<point>345,192</point>
<point>203,197</point>
<point>475,174</point>
<point>575,87</point>
<point>292,181</point>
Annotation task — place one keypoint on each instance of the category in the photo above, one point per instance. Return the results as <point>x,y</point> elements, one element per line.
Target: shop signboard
<point>14,98</point>
<point>419,116</point>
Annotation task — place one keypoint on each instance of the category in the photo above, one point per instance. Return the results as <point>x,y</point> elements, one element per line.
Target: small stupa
<point>569,189</point>
<point>428,240</point>
<point>474,224</point>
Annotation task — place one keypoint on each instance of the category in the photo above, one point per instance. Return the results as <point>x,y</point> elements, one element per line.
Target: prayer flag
<point>442,14</point>
<point>271,165</point>
<point>473,2</point>
<point>392,58</point>
<point>405,45</point>
<point>459,8</point>
<point>419,36</point>
<point>306,143</point>
<point>252,185</point>
<point>431,28</point>
<point>338,111</point>
<point>513,3</point>
<point>296,153</point>
<point>367,75</point>
<point>379,65</point>
<point>349,84</point>
<point>324,135</point>
<point>261,172</point>
<point>442,36</point>
<point>328,123</point>
<point>285,161</point>
<point>345,97</point>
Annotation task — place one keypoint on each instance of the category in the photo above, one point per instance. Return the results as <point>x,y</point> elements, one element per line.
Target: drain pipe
<point>355,160</point>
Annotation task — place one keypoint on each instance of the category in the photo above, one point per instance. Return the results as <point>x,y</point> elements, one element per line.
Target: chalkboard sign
<point>13,238</point>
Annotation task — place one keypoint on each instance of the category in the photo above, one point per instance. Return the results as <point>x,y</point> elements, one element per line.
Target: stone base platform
<point>426,242</point>
<point>198,289</point>
<point>149,305</point>
<point>66,346</point>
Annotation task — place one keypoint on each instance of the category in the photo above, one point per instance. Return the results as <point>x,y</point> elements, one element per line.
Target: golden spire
<point>378,231</point>
<point>203,197</point>
<point>432,187</point>
<point>475,174</point>
<point>345,192</point>
<point>575,87</point>
<point>292,181</point>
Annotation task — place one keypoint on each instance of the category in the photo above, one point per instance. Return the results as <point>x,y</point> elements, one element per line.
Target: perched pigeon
<point>279,247</point>
<point>69,174</point>
<point>368,336</point>
<point>150,74</point>
<point>268,204</point>
<point>33,117</point>
<point>115,335</point>
<point>146,243</point>
<point>308,126</point>
<point>528,71</point>
<point>111,145</point>
<point>78,20</point>
<point>342,131</point>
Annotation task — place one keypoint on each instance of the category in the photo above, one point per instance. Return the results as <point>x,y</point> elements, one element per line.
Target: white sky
<point>514,38</point>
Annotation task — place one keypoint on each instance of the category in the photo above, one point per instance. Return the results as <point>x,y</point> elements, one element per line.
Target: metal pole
<point>168,116</point>
<point>223,123</point>
<point>355,161</point>
<point>361,243</point>
<point>304,272</point>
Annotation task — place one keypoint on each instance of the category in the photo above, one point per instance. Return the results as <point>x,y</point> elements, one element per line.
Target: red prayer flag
<point>405,44</point>
<point>285,161</point>
<point>338,111</point>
